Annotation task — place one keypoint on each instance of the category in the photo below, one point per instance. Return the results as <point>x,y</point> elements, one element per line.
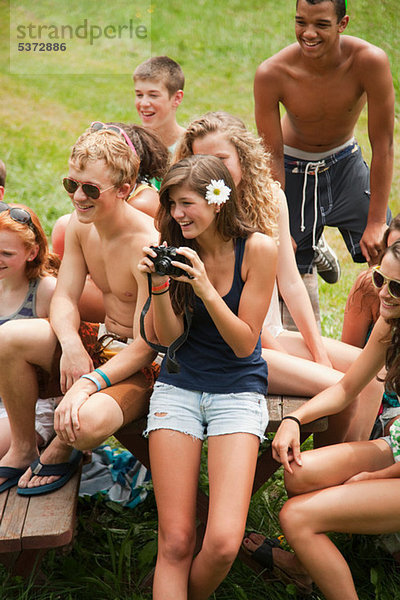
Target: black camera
<point>163,261</point>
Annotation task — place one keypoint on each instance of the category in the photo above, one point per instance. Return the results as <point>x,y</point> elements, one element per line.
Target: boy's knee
<point>97,423</point>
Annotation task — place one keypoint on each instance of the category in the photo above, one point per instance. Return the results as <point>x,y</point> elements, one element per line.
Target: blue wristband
<point>93,379</point>
<point>104,376</point>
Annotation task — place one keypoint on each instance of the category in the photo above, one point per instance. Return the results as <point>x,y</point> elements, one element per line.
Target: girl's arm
<point>294,292</point>
<point>240,332</point>
<point>44,295</point>
<point>167,325</point>
<point>286,445</point>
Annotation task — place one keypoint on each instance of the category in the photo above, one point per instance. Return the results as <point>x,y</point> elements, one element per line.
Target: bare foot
<point>17,459</point>
<point>56,452</point>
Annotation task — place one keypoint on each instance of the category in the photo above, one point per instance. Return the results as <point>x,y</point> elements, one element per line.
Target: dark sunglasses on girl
<point>379,280</point>
<point>89,189</point>
<point>19,215</point>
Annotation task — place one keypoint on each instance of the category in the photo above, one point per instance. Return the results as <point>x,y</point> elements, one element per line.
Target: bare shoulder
<point>140,226</point>
<point>365,54</point>
<point>261,246</point>
<point>45,292</point>
<point>273,69</point>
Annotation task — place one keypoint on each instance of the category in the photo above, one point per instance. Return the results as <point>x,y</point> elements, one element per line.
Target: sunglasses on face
<point>89,189</point>
<point>19,215</point>
<point>98,125</point>
<point>379,280</point>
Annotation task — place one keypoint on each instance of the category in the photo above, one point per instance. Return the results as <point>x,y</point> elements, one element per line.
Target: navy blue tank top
<point>207,363</point>
<point>27,310</point>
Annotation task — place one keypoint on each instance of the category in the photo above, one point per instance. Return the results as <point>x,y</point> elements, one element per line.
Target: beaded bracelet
<point>295,419</point>
<point>93,380</point>
<point>104,376</point>
<point>158,288</point>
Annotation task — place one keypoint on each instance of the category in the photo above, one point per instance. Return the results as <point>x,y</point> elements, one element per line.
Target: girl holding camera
<point>300,363</point>
<point>222,382</point>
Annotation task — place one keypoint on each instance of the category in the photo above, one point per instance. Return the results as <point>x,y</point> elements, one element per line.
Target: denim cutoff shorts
<point>202,413</point>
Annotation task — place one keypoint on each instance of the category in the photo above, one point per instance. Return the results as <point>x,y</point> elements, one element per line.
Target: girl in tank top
<point>219,391</point>
<point>300,363</point>
<point>27,282</point>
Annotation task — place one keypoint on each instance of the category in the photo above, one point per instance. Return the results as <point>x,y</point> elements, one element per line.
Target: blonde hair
<point>111,147</point>
<point>256,193</point>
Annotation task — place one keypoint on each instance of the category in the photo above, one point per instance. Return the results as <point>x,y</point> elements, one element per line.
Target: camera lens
<point>163,266</point>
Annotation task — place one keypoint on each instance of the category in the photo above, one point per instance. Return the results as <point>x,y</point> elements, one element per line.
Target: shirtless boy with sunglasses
<point>104,238</point>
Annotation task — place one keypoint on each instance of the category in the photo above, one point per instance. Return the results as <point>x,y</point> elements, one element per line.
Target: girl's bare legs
<point>360,507</point>
<point>353,424</point>
<point>175,465</point>
<point>231,466</point>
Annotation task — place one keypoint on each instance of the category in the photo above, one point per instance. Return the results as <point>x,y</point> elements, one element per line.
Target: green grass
<point>219,44</point>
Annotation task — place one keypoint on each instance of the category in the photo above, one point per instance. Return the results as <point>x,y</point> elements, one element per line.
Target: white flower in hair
<point>217,192</point>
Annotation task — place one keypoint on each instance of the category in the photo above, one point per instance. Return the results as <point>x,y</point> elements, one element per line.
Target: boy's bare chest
<point>337,97</point>
<point>109,265</point>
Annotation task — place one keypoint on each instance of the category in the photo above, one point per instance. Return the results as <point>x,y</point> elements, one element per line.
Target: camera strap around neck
<point>171,361</point>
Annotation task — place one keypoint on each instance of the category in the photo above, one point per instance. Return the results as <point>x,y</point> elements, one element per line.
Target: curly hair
<point>196,172</point>
<point>392,378</point>
<point>45,262</point>
<point>256,190</point>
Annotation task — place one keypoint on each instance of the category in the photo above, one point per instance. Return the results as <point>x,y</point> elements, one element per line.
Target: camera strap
<point>172,363</point>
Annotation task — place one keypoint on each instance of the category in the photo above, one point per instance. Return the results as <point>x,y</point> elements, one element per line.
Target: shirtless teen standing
<point>324,81</point>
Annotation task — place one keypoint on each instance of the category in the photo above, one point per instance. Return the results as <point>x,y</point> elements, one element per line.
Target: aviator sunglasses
<point>98,125</point>
<point>89,189</point>
<point>19,215</point>
<point>379,280</point>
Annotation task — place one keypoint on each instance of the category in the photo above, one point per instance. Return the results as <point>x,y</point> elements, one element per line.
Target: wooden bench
<point>31,526</point>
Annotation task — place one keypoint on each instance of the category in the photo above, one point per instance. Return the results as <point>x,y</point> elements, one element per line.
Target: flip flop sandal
<point>13,474</point>
<point>264,557</point>
<point>64,470</point>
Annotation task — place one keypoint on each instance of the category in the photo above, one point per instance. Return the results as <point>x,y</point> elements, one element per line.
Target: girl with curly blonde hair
<point>300,363</point>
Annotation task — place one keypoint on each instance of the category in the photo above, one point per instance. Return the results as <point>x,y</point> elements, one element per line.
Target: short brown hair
<point>164,69</point>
